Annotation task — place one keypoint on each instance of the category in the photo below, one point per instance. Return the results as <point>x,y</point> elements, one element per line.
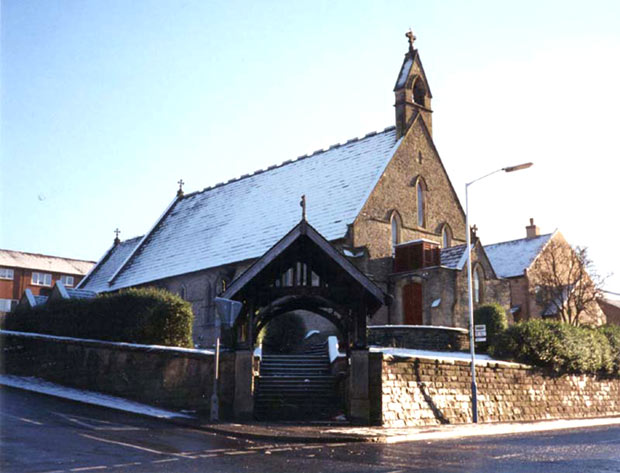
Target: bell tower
<point>412,93</point>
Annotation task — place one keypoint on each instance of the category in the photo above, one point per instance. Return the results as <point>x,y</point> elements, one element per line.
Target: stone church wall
<point>166,377</point>
<point>418,392</point>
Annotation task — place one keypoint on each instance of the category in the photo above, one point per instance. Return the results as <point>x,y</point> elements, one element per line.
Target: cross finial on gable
<point>116,238</point>
<point>474,233</point>
<point>180,191</point>
<point>411,37</point>
<point>303,207</point>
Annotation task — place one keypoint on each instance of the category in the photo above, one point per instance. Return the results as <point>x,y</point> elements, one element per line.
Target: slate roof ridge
<point>290,161</point>
<point>519,239</point>
<point>47,256</point>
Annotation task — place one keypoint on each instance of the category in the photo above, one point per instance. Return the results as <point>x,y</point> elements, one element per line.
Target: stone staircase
<point>297,386</point>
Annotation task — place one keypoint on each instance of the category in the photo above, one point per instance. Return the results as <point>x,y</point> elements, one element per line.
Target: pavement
<point>309,432</point>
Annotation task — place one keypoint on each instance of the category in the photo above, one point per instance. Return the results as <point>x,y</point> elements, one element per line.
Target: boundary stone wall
<point>162,376</point>
<point>420,337</point>
<point>418,392</point>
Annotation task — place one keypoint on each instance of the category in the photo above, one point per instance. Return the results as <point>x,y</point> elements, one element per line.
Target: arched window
<point>421,194</point>
<point>478,284</point>
<point>446,236</point>
<point>419,92</point>
<point>395,230</point>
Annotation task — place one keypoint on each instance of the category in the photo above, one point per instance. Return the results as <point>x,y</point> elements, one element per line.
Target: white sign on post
<point>480,333</point>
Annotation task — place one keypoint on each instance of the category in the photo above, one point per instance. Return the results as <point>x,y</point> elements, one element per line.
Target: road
<point>45,434</point>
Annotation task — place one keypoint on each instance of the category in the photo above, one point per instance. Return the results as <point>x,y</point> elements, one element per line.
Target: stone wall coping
<point>180,351</point>
<point>414,327</point>
<point>446,360</point>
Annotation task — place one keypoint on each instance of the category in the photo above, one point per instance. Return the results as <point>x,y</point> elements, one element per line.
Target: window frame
<point>8,270</point>
<point>45,277</point>
<point>64,278</point>
<point>421,196</point>
<point>446,234</point>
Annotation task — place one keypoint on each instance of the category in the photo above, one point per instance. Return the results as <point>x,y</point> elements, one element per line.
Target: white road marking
<point>137,447</point>
<point>242,452</point>
<point>508,455</point>
<point>209,455</point>
<point>121,465</point>
<point>23,419</point>
<point>89,468</point>
<point>166,460</point>
<point>110,426</point>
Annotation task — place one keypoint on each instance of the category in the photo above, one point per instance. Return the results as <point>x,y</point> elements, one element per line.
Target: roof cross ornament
<point>180,191</point>
<point>474,232</point>
<point>117,240</point>
<point>303,207</point>
<point>411,37</point>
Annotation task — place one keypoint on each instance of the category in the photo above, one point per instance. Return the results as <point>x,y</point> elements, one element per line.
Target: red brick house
<point>38,273</point>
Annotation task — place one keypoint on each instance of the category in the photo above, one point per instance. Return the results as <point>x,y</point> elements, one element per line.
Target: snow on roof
<point>454,257</point>
<point>512,258</point>
<point>97,280</point>
<point>54,264</point>
<point>243,218</point>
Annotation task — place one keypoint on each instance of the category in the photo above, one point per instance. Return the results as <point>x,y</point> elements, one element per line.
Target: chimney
<point>532,230</point>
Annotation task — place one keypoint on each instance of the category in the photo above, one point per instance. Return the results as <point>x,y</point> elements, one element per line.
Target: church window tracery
<point>421,202</point>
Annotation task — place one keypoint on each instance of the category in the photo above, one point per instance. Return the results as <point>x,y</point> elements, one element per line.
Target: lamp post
<point>472,349</point>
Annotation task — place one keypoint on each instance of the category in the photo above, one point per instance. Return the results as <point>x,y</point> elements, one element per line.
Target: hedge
<point>146,316</point>
<point>494,317</point>
<point>562,347</point>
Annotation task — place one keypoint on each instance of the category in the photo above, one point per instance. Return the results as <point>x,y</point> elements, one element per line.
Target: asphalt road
<point>45,434</point>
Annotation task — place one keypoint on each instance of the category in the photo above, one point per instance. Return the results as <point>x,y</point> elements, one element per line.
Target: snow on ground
<point>45,387</point>
<point>438,355</point>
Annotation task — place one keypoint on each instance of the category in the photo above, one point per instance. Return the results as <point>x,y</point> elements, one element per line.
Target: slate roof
<point>454,257</point>
<point>512,258</point>
<point>81,293</point>
<point>54,264</point>
<point>97,279</point>
<point>243,218</point>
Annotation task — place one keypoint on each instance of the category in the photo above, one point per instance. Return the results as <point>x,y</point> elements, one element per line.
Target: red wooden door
<point>412,303</point>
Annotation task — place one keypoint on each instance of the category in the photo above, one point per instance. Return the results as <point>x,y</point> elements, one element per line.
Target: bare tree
<point>566,282</point>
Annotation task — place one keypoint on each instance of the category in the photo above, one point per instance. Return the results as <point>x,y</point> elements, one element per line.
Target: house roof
<point>304,230</point>
<point>97,279</point>
<point>454,257</point>
<point>54,264</point>
<point>512,258</point>
<point>242,218</point>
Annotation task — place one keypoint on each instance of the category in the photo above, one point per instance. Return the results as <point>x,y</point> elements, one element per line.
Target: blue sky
<point>106,104</point>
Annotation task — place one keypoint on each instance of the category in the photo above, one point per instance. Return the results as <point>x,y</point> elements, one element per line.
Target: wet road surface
<point>45,434</point>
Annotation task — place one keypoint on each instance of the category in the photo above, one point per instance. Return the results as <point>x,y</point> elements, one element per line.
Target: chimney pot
<point>532,231</point>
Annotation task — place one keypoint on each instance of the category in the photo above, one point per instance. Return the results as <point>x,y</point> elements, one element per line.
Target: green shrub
<point>284,333</point>
<point>494,317</point>
<point>612,332</point>
<point>147,316</point>
<point>556,345</point>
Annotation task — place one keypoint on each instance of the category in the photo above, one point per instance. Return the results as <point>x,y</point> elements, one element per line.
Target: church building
<point>383,201</point>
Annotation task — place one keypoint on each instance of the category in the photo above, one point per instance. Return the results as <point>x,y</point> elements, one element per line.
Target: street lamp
<point>474,389</point>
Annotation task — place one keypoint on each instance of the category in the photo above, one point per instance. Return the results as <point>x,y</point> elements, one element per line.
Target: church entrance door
<point>412,302</point>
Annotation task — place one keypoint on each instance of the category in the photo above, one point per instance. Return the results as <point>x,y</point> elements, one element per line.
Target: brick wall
<point>170,378</point>
<point>415,392</point>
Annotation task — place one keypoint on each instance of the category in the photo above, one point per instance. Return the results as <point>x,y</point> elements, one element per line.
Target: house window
<point>446,237</point>
<point>478,286</point>
<point>6,305</point>
<point>41,279</point>
<point>67,280</point>
<point>183,293</point>
<point>6,273</point>
<point>421,193</point>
